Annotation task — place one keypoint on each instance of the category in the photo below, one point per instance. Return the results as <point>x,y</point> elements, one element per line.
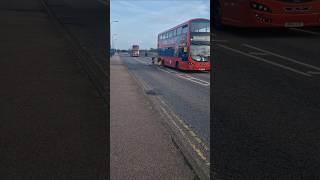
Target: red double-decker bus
<point>266,13</point>
<point>135,51</point>
<point>186,46</point>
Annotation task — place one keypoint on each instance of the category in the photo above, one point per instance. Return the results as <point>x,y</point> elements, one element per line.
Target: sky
<point>140,21</point>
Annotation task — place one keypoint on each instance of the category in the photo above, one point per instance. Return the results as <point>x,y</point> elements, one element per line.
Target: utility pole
<point>111,43</point>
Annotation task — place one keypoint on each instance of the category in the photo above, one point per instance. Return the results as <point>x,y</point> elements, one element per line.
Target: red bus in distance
<point>266,13</point>
<point>135,51</point>
<point>186,46</point>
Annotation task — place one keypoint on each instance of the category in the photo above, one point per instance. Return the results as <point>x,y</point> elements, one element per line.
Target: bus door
<point>183,53</point>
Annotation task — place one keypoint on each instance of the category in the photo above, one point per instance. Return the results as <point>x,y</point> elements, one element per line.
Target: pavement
<point>141,145</point>
<point>53,122</point>
<point>266,104</point>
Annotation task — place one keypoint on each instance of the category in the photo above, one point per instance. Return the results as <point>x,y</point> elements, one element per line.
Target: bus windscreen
<point>200,52</point>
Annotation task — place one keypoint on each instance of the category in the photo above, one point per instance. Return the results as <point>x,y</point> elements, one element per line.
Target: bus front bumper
<point>260,19</point>
<point>197,67</point>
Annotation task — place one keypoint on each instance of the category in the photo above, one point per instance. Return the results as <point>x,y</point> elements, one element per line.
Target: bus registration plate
<point>293,24</point>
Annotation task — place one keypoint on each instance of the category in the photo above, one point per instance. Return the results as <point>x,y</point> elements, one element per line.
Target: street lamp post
<point>114,45</point>
<point>112,41</point>
<point>110,32</point>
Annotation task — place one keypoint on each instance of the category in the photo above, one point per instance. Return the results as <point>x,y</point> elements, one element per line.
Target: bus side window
<point>185,29</point>
<point>179,30</point>
<point>161,52</point>
<point>176,52</point>
<point>170,51</point>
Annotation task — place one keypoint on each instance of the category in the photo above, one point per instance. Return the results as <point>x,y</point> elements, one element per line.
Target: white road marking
<point>313,72</point>
<point>183,76</point>
<point>192,79</point>
<point>143,62</point>
<point>258,53</point>
<point>306,31</point>
<point>283,57</point>
<point>188,76</point>
<point>265,60</point>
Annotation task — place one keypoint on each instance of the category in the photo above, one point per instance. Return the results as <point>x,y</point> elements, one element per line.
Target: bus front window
<point>200,52</point>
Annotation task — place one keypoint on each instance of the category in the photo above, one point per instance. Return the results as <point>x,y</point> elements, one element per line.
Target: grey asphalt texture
<point>87,21</point>
<point>53,122</point>
<point>140,143</point>
<point>191,101</point>
<point>266,118</point>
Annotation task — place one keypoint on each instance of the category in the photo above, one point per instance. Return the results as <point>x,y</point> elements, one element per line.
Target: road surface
<point>86,20</point>
<point>187,93</point>
<point>266,97</point>
<point>53,121</point>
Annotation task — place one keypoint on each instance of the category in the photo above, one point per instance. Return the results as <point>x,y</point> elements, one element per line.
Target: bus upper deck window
<point>179,30</point>
<point>185,29</point>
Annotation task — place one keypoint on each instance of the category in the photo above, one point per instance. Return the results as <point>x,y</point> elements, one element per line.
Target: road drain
<point>150,92</point>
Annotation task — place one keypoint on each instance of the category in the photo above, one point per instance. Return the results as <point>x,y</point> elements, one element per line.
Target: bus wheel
<point>217,14</point>
<point>177,65</point>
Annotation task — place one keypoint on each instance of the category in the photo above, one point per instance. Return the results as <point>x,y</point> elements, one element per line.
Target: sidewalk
<point>53,124</point>
<point>141,147</point>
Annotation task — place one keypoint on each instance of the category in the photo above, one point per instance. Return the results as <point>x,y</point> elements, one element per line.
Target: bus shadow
<point>187,71</point>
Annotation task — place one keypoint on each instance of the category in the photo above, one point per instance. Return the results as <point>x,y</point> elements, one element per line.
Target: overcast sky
<point>140,21</point>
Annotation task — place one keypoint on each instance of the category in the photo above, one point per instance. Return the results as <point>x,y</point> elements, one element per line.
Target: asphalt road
<point>266,104</point>
<point>53,121</point>
<point>86,20</point>
<point>187,93</point>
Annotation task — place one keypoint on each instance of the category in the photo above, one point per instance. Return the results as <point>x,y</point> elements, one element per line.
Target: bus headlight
<point>260,7</point>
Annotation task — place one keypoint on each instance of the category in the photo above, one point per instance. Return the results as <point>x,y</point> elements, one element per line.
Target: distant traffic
<point>135,51</point>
